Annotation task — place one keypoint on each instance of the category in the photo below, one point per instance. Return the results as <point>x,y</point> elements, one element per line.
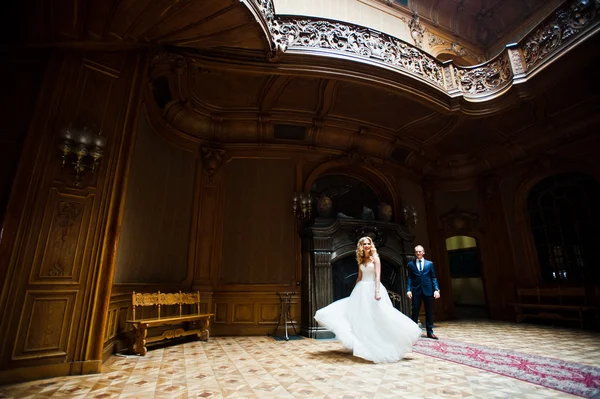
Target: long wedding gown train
<point>374,330</point>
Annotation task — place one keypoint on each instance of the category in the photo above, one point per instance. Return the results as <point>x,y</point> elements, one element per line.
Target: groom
<point>422,285</point>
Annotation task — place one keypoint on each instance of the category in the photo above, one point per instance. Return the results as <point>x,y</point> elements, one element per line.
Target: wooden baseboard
<point>247,330</point>
<point>25,374</point>
<point>108,351</point>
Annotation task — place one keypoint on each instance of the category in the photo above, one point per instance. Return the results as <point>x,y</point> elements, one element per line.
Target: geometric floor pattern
<point>260,367</point>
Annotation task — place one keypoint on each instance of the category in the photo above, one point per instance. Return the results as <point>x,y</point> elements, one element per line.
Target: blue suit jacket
<point>423,282</point>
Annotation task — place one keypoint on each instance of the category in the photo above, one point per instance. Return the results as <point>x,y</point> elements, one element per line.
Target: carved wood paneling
<point>111,326</point>
<point>46,324</point>
<point>59,258</point>
<point>54,301</point>
<point>249,313</point>
<point>268,313</point>
<point>243,313</point>
<point>115,329</point>
<point>221,312</point>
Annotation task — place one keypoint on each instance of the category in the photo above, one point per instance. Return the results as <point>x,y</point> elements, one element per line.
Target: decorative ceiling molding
<point>569,24</point>
<point>237,99</point>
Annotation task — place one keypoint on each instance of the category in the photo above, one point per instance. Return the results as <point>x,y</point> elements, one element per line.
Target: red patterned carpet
<point>577,379</point>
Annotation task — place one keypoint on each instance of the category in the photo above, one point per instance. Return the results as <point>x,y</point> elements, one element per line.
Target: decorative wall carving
<point>166,63</point>
<point>354,157</point>
<point>68,213</point>
<point>212,158</point>
<point>59,250</point>
<point>563,24</point>
<point>57,270</point>
<point>457,222</point>
<point>416,30</point>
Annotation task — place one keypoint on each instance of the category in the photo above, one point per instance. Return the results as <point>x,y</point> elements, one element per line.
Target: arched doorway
<point>466,277</point>
<point>565,225</point>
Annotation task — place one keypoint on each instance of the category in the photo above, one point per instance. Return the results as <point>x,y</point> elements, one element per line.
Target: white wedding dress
<point>374,330</point>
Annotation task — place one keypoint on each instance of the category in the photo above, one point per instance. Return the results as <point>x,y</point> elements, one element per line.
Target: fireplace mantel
<point>330,240</point>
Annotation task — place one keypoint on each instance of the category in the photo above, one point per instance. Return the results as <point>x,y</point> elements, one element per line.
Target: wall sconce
<point>410,216</point>
<point>302,206</point>
<point>81,149</point>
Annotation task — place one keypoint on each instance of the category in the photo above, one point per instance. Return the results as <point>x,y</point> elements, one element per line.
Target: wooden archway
<point>364,172</point>
<point>543,169</point>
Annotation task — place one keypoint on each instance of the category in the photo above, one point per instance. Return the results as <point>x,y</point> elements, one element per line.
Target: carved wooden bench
<point>196,323</point>
<point>556,303</point>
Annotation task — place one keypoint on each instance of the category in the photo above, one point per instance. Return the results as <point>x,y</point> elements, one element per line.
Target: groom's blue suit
<point>422,284</point>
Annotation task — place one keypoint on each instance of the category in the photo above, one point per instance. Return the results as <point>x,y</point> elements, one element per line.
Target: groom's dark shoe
<point>432,336</point>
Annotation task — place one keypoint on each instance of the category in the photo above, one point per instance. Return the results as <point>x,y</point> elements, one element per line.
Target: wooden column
<point>500,281</point>
<point>60,263</point>
<point>316,282</point>
<point>444,307</point>
<point>209,188</point>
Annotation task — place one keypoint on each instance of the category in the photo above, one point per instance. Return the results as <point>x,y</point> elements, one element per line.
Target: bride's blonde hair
<point>360,252</point>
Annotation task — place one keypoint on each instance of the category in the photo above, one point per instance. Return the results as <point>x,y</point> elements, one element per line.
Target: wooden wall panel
<point>54,298</point>
<point>268,313</point>
<point>45,325</point>
<point>250,313</point>
<point>59,257</point>
<point>209,193</point>
<point>157,218</point>
<point>119,312</point>
<point>259,229</point>
<point>221,312</point>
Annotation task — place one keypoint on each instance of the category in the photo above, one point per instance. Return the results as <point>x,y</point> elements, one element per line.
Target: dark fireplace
<point>329,265</point>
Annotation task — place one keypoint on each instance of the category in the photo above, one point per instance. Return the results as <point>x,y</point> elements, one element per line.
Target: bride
<point>366,321</point>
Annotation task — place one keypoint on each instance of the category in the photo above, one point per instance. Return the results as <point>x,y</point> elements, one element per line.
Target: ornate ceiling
<point>343,110</point>
<point>490,24</point>
<point>121,23</point>
<point>235,73</point>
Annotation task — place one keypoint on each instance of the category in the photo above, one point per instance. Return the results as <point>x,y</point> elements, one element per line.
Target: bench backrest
<point>158,299</point>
